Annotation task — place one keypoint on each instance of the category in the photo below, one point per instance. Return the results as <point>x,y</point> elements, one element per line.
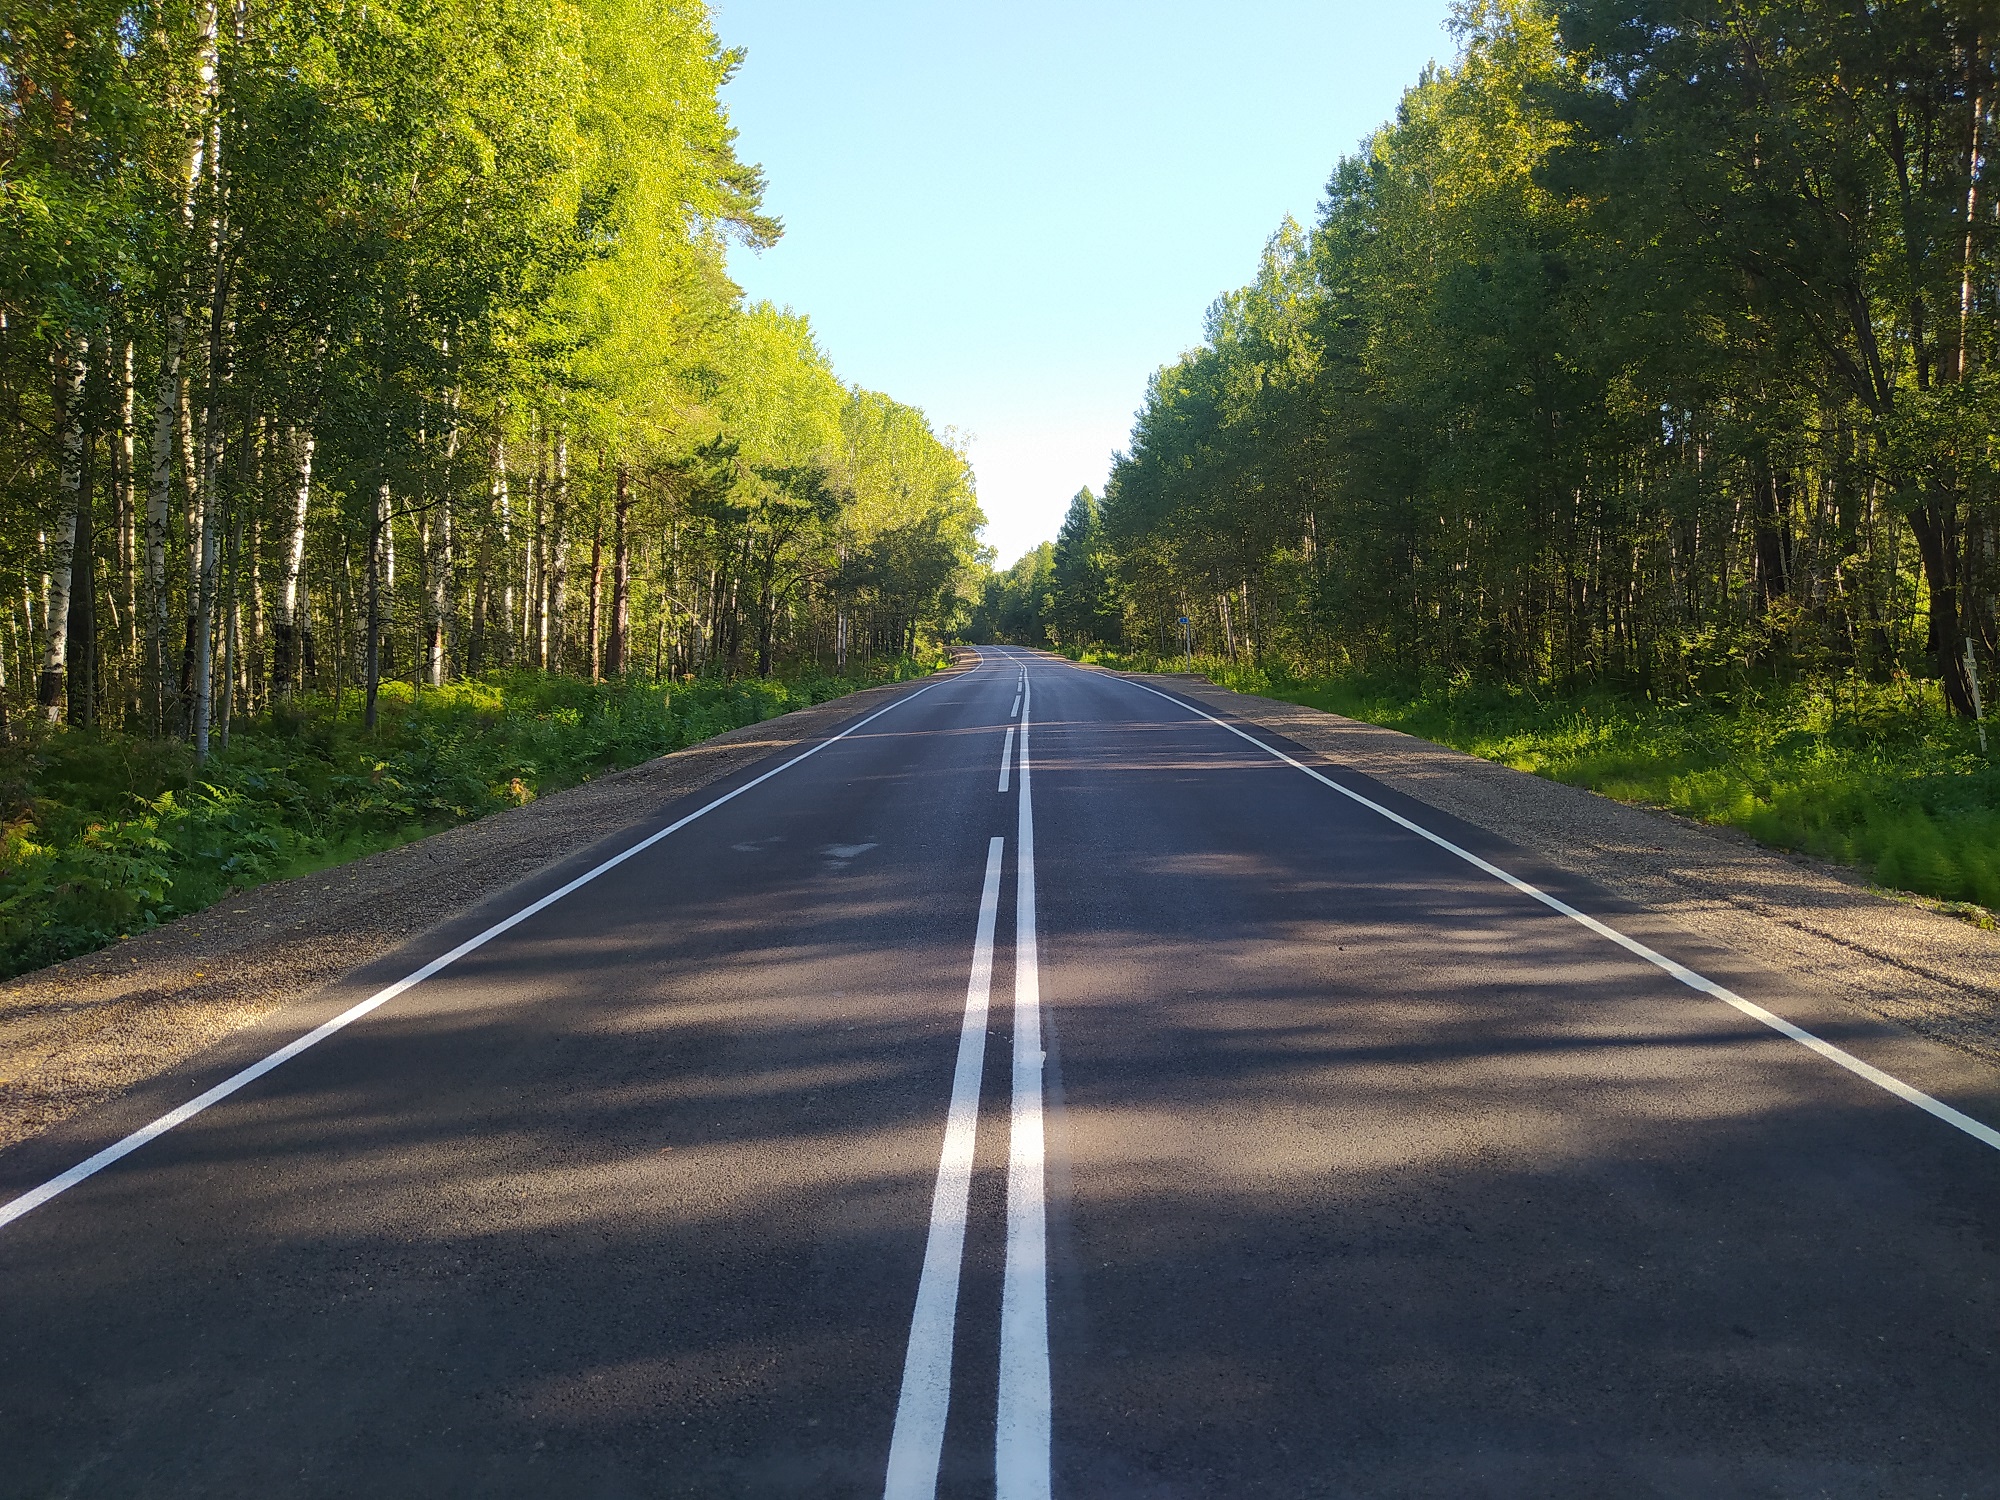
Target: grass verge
<point>1878,777</point>
<point>107,834</point>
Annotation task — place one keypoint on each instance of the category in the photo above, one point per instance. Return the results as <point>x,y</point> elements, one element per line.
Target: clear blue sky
<point>1012,214</point>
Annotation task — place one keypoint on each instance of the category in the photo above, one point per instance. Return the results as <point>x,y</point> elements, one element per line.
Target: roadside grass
<point>1878,777</point>
<point>103,834</point>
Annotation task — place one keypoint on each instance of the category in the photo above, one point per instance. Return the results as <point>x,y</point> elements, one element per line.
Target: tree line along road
<point>1041,1087</point>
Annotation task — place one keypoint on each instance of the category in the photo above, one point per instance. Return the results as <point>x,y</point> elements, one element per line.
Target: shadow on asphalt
<point>1365,1181</point>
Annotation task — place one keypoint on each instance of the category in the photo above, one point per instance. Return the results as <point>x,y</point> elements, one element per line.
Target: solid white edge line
<point>1983,1133</point>
<point>34,1198</point>
<point>918,1440</point>
<point>1007,758</point>
<point>1023,1421</point>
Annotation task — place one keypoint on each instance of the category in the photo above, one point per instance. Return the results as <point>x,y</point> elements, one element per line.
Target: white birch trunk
<point>172,429</point>
<point>504,505</point>
<point>386,514</point>
<point>437,603</point>
<point>207,558</point>
<point>190,463</point>
<point>212,436</point>
<point>531,541</point>
<point>128,498</point>
<point>447,616</point>
<point>232,652</point>
<point>25,642</point>
<point>385,571</point>
<point>291,597</point>
<point>204,548</point>
<point>55,654</point>
<point>159,503</point>
<point>539,555</point>
<point>255,663</point>
<point>558,570</point>
<point>442,623</point>
<point>1961,363</point>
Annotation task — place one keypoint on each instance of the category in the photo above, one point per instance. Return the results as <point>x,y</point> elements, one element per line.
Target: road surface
<point>1039,1088</point>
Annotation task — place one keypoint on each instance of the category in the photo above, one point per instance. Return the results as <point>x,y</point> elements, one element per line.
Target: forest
<point>1649,338</point>
<point>349,352</point>
<point>1646,358</point>
<point>344,343</point>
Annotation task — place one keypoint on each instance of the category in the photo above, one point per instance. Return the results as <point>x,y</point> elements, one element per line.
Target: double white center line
<point>1021,1440</point>
<point>1022,1425</point>
<point>920,1413</point>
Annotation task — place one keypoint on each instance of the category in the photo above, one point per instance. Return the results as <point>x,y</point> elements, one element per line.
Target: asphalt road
<point>1163,1123</point>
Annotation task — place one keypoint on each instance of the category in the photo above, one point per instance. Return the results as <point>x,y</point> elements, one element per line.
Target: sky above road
<point>1011,214</point>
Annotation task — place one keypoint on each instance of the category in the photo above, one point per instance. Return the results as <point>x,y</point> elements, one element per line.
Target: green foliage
<point>1628,417</point>
<point>1085,604</point>
<point>394,345</point>
<point>1651,345</point>
<point>409,325</point>
<point>106,834</point>
<point>1018,605</point>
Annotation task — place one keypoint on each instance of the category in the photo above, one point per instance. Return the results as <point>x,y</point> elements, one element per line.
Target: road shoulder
<point>77,1034</point>
<point>1893,959</point>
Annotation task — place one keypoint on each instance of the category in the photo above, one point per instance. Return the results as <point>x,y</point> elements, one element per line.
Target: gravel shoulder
<point>78,1033</point>
<point>1891,957</point>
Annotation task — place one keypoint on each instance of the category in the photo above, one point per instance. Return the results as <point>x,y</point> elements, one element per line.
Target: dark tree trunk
<point>371,651</point>
<point>621,579</point>
<point>482,598</point>
<point>182,708</point>
<point>1937,546</point>
<point>308,647</point>
<point>767,612</point>
<point>284,657</point>
<point>1772,490</point>
<point>597,595</point>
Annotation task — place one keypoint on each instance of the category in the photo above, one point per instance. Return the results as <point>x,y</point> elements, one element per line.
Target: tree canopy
<point>340,342</point>
<point>1651,340</point>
